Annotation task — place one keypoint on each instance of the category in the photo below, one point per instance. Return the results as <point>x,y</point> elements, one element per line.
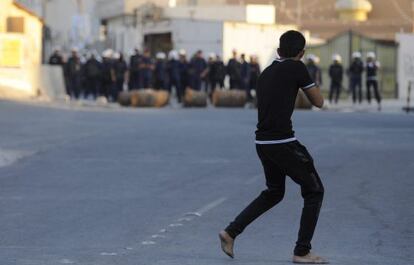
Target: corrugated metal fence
<point>347,43</point>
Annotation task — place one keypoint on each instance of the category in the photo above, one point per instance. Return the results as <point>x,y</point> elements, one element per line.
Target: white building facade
<point>218,29</point>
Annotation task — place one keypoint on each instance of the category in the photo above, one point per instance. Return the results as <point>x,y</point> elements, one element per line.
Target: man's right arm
<point>314,95</point>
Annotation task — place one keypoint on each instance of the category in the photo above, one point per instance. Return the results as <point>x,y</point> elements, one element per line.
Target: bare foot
<point>227,243</point>
<point>309,259</point>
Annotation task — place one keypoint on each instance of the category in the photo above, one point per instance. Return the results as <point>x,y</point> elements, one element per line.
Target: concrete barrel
<point>229,98</point>
<point>124,98</point>
<point>149,98</point>
<point>302,101</point>
<point>193,98</point>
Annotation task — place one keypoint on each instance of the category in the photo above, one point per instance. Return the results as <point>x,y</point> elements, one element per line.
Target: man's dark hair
<point>291,43</point>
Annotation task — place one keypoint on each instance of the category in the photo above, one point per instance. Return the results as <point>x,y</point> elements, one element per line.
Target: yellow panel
<point>11,52</point>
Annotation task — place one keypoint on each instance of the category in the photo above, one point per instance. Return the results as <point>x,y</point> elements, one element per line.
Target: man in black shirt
<point>279,151</point>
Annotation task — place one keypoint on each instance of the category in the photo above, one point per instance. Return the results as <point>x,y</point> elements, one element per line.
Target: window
<point>15,24</point>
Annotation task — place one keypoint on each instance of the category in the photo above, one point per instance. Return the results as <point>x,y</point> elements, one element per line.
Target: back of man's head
<point>291,43</point>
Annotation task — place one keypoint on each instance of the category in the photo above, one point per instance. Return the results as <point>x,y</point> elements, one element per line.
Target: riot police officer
<point>198,68</point>
<point>174,74</point>
<point>121,74</point>
<point>184,67</point>
<point>134,70</point>
<point>234,71</point>
<point>146,69</point>
<point>355,71</point>
<point>161,72</point>
<point>372,67</point>
<point>74,73</point>
<point>336,72</point>
<point>93,75</point>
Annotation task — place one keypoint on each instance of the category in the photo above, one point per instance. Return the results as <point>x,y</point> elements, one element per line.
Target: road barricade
<point>124,98</point>
<point>144,98</point>
<point>193,98</point>
<point>229,98</point>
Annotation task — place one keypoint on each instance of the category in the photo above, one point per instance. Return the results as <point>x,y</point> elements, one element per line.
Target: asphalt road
<point>153,187</point>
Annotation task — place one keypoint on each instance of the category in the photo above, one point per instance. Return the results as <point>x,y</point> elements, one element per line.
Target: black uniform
<point>254,76</point>
<point>120,69</point>
<point>336,73</point>
<point>74,73</point>
<point>234,72</point>
<point>56,59</point>
<point>355,77</point>
<point>184,68</point>
<point>211,72</point>
<point>219,73</point>
<point>245,76</point>
<point>108,78</point>
<point>198,67</point>
<point>146,72</point>
<point>161,75</point>
<point>372,81</point>
<point>174,77</point>
<point>134,71</point>
<point>280,153</point>
<point>314,72</point>
<point>93,75</point>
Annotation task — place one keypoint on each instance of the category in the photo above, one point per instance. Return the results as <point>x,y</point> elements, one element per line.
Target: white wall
<point>209,36</point>
<point>405,64</point>
<point>187,34</point>
<point>110,8</point>
<point>253,39</point>
<point>219,13</point>
<point>69,27</point>
<point>193,35</point>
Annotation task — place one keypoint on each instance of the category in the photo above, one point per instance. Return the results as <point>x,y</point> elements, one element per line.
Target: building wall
<point>347,43</point>
<point>193,35</point>
<point>72,25</point>
<point>20,53</point>
<point>253,39</point>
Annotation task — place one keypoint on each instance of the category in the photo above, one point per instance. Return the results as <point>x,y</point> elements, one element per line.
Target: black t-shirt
<point>372,68</point>
<point>277,88</point>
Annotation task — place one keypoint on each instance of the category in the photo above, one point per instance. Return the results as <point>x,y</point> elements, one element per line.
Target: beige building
<point>376,19</point>
<point>20,50</point>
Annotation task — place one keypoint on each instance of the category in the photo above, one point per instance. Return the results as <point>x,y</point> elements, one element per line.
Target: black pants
<point>235,83</point>
<point>335,91</point>
<point>117,88</point>
<point>176,83</point>
<point>212,85</point>
<point>279,160</point>
<point>93,87</point>
<point>75,85</point>
<point>374,84</point>
<point>134,80</point>
<point>356,89</point>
